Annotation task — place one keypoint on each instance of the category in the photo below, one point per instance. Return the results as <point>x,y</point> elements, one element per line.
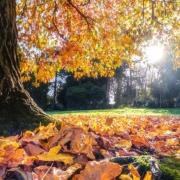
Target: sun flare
<point>154,53</point>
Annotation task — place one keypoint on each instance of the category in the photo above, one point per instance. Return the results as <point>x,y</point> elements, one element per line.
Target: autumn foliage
<point>82,147</point>
<point>89,38</point>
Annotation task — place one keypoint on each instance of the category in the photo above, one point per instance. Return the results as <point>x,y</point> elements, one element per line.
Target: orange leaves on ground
<point>67,151</point>
<point>134,172</point>
<point>99,171</point>
<point>159,134</point>
<point>124,143</point>
<point>33,149</point>
<point>53,173</point>
<point>109,121</point>
<point>11,154</point>
<point>54,155</point>
<point>125,177</point>
<point>139,141</point>
<point>76,140</point>
<point>148,176</point>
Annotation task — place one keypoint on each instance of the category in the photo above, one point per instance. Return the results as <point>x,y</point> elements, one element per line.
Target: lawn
<point>122,111</point>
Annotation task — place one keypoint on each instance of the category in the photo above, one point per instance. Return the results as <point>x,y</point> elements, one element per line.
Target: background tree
<point>86,93</point>
<point>165,89</point>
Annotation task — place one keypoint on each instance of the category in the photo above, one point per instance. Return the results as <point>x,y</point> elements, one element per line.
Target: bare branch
<point>143,11</point>
<point>153,8</point>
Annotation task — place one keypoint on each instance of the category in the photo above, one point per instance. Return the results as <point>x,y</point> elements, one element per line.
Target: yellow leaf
<point>4,143</point>
<point>134,172</point>
<point>53,155</point>
<point>125,177</point>
<point>55,150</point>
<point>148,176</point>
<point>123,143</point>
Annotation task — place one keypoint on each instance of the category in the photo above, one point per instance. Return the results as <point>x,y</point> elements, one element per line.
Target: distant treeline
<point>140,85</point>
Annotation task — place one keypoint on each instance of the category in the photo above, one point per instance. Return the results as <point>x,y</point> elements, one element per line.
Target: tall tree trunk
<point>17,109</point>
<point>108,84</point>
<point>118,96</point>
<point>119,78</point>
<point>55,91</point>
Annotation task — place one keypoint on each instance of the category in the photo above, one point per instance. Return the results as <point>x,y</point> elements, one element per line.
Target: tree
<point>16,105</point>
<point>119,75</point>
<point>85,38</point>
<point>168,79</point>
<point>86,93</point>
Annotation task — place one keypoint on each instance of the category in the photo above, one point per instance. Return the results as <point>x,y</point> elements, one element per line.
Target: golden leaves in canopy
<point>88,38</point>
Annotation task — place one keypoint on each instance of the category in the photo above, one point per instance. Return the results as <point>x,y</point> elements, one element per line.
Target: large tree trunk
<point>17,109</point>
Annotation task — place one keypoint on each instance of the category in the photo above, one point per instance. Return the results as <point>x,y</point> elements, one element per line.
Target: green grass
<point>122,111</point>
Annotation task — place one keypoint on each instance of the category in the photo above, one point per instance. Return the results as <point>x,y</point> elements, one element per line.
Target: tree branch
<point>87,19</point>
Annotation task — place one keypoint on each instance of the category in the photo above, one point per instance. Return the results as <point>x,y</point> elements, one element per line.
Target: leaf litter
<point>82,147</point>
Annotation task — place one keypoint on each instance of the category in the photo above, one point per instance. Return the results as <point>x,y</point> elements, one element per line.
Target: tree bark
<point>119,78</point>
<point>17,109</point>
<point>55,91</point>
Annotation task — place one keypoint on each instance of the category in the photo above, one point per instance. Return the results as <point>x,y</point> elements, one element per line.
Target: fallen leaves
<point>82,149</point>
<point>11,154</point>
<point>139,141</point>
<point>148,176</point>
<point>53,173</point>
<point>77,141</point>
<point>134,172</point>
<point>151,133</point>
<point>54,155</point>
<point>99,171</point>
<point>125,177</point>
<point>33,149</point>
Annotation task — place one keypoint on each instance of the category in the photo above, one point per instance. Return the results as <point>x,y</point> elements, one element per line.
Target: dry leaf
<point>76,140</point>
<point>2,171</point>
<point>125,177</point>
<point>53,173</point>
<point>44,173</point>
<point>134,172</point>
<point>53,155</point>
<point>33,149</point>
<point>109,121</point>
<point>139,141</point>
<point>148,176</point>
<point>99,171</point>
<point>124,143</point>
<point>64,175</point>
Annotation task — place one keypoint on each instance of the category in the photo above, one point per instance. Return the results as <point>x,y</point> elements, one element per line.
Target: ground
<point>123,143</point>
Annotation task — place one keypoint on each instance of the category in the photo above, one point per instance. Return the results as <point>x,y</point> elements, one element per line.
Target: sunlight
<point>154,53</point>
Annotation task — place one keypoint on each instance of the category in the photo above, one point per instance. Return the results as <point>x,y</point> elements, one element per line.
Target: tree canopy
<point>89,37</point>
